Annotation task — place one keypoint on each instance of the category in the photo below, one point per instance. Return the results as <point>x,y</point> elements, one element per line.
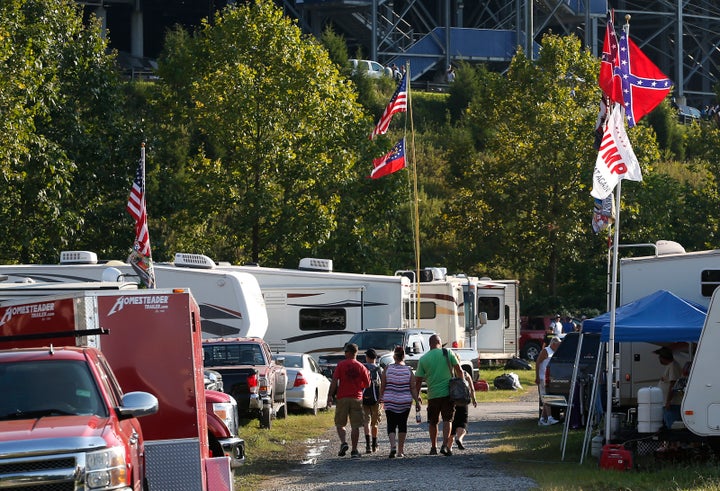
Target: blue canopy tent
<point>661,317</point>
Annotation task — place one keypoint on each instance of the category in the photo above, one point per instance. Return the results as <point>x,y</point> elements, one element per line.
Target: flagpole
<point>416,204</point>
<point>613,302</point>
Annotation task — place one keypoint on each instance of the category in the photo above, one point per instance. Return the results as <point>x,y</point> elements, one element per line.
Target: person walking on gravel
<point>434,369</point>
<point>349,380</point>
<point>397,392</point>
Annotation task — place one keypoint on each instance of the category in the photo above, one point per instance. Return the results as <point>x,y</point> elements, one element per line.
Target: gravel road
<point>467,469</point>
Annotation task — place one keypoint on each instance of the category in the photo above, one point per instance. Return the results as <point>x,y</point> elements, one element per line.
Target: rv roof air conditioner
<point>314,264</point>
<point>78,257</point>
<point>669,247</point>
<point>197,261</point>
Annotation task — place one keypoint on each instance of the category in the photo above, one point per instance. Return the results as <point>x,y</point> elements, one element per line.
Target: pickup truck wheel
<point>216,449</point>
<point>265,419</point>
<point>282,410</point>
<point>531,350</point>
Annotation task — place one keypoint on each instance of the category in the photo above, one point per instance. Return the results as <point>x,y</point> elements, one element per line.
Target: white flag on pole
<point>616,159</point>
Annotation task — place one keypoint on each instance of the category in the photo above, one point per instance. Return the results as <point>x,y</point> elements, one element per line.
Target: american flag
<point>136,208</point>
<point>397,104</point>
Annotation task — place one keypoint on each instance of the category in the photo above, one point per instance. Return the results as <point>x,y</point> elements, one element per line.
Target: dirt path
<point>465,469</point>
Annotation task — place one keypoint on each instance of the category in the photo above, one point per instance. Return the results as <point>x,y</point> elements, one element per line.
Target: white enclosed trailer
<point>700,408</point>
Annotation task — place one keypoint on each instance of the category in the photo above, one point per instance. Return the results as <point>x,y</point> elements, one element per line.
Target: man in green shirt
<point>434,367</point>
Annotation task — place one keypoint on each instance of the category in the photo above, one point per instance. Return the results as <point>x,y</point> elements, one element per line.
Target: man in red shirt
<point>349,380</point>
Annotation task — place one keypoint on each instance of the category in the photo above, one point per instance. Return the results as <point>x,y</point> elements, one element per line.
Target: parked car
<point>532,336</point>
<point>307,387</point>
<point>369,68</point>
<point>558,375</point>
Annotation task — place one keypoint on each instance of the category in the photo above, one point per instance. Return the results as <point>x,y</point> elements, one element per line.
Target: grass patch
<point>536,452</point>
<point>284,444</point>
<point>527,380</point>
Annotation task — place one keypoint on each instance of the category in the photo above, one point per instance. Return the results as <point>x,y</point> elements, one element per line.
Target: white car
<point>307,388</point>
<point>369,68</point>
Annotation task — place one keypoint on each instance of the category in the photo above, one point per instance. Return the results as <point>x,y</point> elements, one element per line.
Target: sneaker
<point>459,444</point>
<point>552,420</point>
<point>433,451</point>
<point>343,450</point>
<point>445,451</point>
<point>543,422</point>
<point>400,455</point>
<point>393,454</point>
<point>355,454</point>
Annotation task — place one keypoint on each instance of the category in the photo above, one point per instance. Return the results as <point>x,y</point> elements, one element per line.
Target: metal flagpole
<point>610,363</point>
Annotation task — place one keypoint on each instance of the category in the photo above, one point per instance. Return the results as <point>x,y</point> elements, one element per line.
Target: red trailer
<point>152,341</point>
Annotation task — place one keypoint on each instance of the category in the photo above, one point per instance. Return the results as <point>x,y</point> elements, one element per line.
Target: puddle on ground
<point>315,447</point>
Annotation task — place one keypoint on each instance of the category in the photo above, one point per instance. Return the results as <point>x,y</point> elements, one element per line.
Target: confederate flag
<point>644,86</point>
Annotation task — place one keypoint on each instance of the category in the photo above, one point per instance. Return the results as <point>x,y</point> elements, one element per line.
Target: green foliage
<point>61,131</point>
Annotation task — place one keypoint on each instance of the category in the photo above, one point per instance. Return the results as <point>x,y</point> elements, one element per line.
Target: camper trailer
<point>692,276</point>
<point>700,408</point>
<point>231,303</point>
<point>314,309</point>
<point>467,311</point>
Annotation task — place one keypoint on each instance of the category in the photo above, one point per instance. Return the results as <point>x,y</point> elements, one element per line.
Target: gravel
<point>468,469</point>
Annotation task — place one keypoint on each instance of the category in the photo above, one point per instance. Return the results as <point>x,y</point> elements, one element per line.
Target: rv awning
<point>661,317</point>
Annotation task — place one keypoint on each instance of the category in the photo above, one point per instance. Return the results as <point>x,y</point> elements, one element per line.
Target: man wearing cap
<point>349,380</point>
<point>671,398</point>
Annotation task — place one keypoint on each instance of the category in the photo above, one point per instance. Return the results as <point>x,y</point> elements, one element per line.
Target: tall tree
<point>276,126</point>
<point>58,143</point>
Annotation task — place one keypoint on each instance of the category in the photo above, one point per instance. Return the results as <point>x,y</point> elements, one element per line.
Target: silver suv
<point>369,68</point>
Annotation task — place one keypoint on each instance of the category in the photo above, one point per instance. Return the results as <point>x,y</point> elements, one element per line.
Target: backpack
<point>371,394</point>
<point>504,382</point>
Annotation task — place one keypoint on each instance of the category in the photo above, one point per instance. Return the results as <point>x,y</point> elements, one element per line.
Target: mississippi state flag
<point>391,162</point>
<point>616,159</point>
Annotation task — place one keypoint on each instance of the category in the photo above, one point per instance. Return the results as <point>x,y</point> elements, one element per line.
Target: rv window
<point>323,319</point>
<point>491,305</point>
<point>428,310</point>
<point>709,281</point>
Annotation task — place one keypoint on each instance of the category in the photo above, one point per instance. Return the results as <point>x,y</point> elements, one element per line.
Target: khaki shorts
<point>351,408</point>
<point>372,415</point>
<point>440,406</point>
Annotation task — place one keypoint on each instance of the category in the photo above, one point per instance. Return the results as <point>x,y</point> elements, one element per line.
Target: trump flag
<point>616,159</point>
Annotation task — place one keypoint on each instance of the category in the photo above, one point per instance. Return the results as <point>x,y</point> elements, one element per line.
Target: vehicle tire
<point>265,417</point>
<point>282,410</point>
<point>531,350</point>
<point>314,409</point>
<point>216,449</point>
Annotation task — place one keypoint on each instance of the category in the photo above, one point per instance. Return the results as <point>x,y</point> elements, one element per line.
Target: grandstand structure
<point>682,37</point>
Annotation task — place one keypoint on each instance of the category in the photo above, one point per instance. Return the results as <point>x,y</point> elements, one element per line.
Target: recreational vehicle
<point>692,276</point>
<point>231,303</point>
<point>314,309</point>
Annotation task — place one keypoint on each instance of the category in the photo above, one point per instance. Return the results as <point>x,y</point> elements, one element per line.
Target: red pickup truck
<point>251,375</point>
<point>64,419</point>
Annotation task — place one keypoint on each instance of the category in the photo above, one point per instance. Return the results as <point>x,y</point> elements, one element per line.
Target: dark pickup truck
<point>250,374</point>
<point>415,341</point>
<point>558,375</point>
